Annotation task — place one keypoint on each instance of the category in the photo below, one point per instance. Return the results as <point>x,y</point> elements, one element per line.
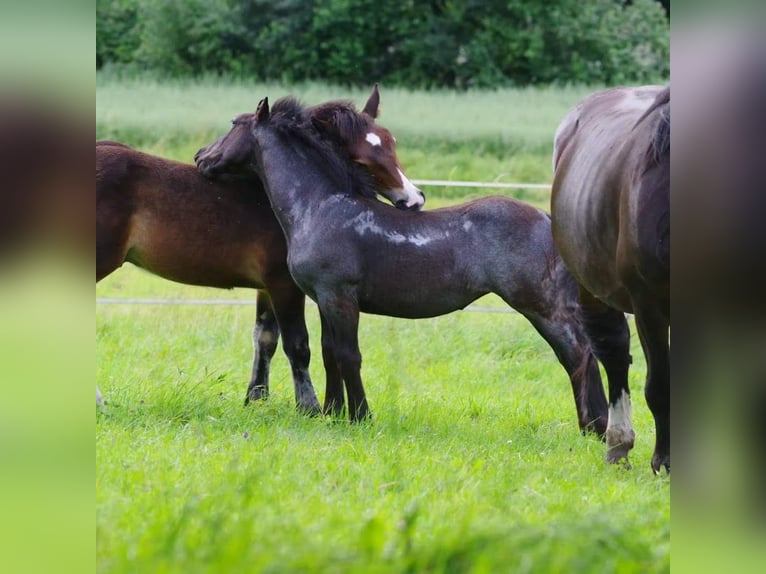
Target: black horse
<point>610,206</point>
<point>163,216</point>
<point>350,254</point>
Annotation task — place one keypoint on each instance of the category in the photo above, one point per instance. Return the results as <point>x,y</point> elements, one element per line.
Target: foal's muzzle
<point>405,206</point>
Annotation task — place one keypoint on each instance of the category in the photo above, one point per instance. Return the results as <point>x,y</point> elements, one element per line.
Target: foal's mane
<point>323,145</point>
<point>349,124</point>
<point>660,143</point>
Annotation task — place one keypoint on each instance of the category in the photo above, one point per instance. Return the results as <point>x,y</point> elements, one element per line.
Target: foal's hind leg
<point>652,329</point>
<point>289,305</point>
<point>608,331</point>
<point>265,338</point>
<point>569,342</point>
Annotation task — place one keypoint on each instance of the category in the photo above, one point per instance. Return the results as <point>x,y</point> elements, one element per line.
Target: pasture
<point>472,461</point>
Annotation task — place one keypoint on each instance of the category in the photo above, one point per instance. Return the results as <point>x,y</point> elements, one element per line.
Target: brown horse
<point>163,216</point>
<point>610,207</point>
<point>353,255</point>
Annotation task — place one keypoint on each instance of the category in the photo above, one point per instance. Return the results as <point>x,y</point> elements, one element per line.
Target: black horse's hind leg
<point>608,332</point>
<point>289,306</point>
<point>265,338</point>
<point>334,398</point>
<point>572,349</point>
<point>341,315</point>
<point>652,329</point>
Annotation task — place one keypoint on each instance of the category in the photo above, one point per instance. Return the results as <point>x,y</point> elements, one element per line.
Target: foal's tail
<point>593,407</point>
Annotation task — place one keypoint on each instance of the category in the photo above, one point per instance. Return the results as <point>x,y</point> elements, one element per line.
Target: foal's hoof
<point>256,394</point>
<point>596,427</point>
<point>312,410</point>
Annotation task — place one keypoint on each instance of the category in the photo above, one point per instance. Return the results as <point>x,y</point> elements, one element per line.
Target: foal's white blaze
<point>620,427</point>
<point>373,139</point>
<point>414,195</point>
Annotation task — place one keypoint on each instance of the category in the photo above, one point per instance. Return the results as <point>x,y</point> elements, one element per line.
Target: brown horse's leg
<point>289,306</point>
<point>265,338</point>
<point>653,332</point>
<point>341,315</point>
<point>608,332</point>
<point>334,399</point>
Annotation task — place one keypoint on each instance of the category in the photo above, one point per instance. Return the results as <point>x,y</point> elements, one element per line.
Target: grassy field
<point>472,462</point>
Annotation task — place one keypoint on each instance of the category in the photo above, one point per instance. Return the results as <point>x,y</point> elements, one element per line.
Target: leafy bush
<point>435,44</point>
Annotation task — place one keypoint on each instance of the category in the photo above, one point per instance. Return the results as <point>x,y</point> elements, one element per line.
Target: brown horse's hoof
<point>619,442</point>
<point>659,461</point>
<point>618,456</point>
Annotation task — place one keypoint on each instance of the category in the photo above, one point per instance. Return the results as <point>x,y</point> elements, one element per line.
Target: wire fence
<point>481,184</point>
<point>245,303</point>
<point>252,302</point>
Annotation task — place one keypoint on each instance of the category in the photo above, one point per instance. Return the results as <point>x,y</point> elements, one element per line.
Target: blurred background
<point>432,44</point>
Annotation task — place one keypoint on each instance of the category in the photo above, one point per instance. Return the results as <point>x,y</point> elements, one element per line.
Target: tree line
<point>456,44</point>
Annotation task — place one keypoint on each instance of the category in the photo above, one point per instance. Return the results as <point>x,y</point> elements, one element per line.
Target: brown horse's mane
<point>320,130</point>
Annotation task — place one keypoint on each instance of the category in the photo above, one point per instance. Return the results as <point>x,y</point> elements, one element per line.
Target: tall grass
<point>472,463</point>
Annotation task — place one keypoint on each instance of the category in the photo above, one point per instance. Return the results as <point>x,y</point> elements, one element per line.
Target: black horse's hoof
<point>659,461</point>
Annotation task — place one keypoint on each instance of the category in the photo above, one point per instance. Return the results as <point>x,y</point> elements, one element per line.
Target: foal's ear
<point>373,103</point>
<point>262,111</point>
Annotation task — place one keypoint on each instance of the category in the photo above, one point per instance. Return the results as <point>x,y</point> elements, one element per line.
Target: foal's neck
<point>295,182</point>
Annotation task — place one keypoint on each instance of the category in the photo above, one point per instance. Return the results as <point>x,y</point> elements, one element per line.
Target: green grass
<point>472,462</point>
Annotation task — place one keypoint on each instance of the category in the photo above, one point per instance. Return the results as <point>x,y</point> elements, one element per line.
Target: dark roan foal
<point>350,254</point>
<point>165,217</point>
<point>610,206</point>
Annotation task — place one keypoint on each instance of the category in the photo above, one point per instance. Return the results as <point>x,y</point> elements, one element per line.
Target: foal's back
<point>163,216</point>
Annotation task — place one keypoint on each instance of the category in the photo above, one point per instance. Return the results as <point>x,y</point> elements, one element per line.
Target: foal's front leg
<point>340,318</point>
<point>289,303</point>
<point>334,398</point>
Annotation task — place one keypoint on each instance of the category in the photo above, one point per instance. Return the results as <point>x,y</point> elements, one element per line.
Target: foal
<point>350,254</point>
<point>163,216</point>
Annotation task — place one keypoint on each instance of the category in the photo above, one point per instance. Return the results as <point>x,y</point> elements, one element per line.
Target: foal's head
<point>368,144</point>
<point>354,133</point>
